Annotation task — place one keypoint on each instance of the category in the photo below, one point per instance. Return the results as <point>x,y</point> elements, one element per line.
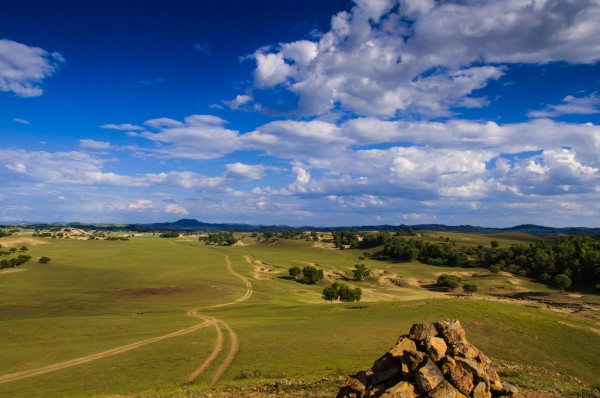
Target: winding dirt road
<point>208,321</point>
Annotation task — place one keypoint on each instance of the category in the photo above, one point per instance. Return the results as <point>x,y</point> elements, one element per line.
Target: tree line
<point>575,256</point>
<point>220,239</point>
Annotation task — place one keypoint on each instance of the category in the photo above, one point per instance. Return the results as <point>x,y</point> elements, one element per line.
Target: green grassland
<point>96,295</point>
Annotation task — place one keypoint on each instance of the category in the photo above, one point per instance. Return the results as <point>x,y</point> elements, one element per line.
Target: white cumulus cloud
<point>23,68</point>
<point>425,57</point>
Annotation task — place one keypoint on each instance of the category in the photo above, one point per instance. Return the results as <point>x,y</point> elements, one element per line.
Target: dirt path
<point>208,321</point>
<point>235,346</point>
<point>94,357</point>
<point>213,355</point>
<point>248,293</point>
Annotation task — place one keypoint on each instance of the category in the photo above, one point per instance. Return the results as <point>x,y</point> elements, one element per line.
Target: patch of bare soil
<point>398,281</point>
<point>25,241</point>
<point>12,270</point>
<point>586,306</point>
<point>322,245</point>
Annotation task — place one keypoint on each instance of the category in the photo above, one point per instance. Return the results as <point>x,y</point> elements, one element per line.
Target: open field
<point>158,317</point>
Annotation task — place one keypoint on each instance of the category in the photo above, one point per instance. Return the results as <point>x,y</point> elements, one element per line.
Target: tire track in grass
<point>128,347</point>
<point>213,355</point>
<point>235,346</point>
<point>234,340</point>
<point>100,355</point>
<point>248,293</point>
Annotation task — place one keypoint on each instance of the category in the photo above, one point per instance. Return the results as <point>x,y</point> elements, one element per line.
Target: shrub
<point>450,282</point>
<point>469,288</point>
<point>44,260</point>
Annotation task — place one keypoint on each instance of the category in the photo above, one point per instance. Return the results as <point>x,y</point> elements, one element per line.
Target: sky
<point>322,113</point>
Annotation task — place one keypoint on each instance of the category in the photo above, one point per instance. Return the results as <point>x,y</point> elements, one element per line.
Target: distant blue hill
<point>190,224</point>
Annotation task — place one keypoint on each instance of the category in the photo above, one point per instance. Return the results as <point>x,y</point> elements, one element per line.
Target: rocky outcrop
<point>431,361</point>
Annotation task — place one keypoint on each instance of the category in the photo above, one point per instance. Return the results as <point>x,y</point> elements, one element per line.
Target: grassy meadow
<point>96,295</point>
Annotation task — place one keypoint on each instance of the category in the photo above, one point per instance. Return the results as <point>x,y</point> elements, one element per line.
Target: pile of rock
<point>433,360</point>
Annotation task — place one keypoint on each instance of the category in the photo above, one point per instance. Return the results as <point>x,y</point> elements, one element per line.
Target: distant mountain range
<point>195,225</point>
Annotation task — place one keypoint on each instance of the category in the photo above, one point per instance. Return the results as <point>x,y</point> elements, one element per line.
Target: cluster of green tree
<point>342,292</point>
<point>575,256</point>
<point>292,234</point>
<point>426,252</point>
<point>44,260</point>
<point>40,234</point>
<point>373,240</point>
<point>268,237</point>
<point>220,239</point>
<point>310,275</point>
<point>170,234</point>
<point>356,240</point>
<point>114,238</point>
<point>4,233</point>
<point>342,239</point>
<point>14,262</point>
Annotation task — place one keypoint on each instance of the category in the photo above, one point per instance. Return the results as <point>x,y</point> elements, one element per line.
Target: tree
<point>24,248</point>
<point>311,275</point>
<point>450,282</point>
<point>470,288</point>
<point>495,269</point>
<point>495,244</point>
<point>330,293</point>
<point>12,250</point>
<point>361,272</point>
<point>347,294</point>
<point>295,272</point>
<point>44,260</point>
<point>562,282</point>
<point>268,235</point>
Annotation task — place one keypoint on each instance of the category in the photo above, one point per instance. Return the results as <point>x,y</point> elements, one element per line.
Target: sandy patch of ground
<point>23,241</point>
<point>396,280</point>
<point>12,270</point>
<point>457,273</point>
<point>322,245</point>
<point>261,270</point>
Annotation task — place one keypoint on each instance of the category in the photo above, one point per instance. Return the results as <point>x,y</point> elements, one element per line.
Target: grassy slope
<point>91,296</point>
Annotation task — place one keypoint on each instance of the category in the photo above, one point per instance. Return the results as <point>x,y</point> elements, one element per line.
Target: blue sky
<point>301,113</point>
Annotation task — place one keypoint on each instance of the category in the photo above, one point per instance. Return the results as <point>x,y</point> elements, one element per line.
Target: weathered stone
<point>354,386</point>
<point>401,390</point>
<point>387,374</point>
<point>494,380</point>
<point>471,366</point>
<point>462,379</point>
<point>404,345</point>
<point>445,390</point>
<point>465,350</point>
<point>436,347</point>
<point>451,331</point>
<point>509,389</point>
<point>413,359</point>
<point>385,362</point>
<point>428,376</point>
<point>481,391</point>
<point>375,392</point>
<point>420,331</point>
<point>482,358</point>
<point>447,364</point>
